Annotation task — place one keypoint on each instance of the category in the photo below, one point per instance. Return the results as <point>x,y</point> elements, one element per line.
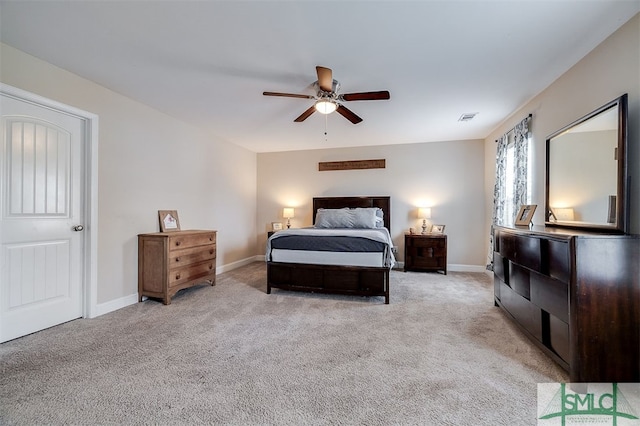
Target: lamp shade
<point>564,213</point>
<point>287,212</point>
<point>424,212</point>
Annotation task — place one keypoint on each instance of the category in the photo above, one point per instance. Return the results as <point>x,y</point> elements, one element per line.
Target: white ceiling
<point>208,62</point>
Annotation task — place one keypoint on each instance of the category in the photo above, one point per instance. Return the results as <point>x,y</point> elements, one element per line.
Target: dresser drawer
<point>434,243</point>
<point>178,242</point>
<point>558,260</point>
<point>191,272</point>
<point>519,280</point>
<point>521,249</point>
<point>551,295</point>
<point>499,268</point>
<point>559,338</point>
<point>180,258</point>
<point>428,259</point>
<point>525,312</point>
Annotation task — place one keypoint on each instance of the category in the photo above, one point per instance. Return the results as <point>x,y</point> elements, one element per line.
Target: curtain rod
<point>513,128</point>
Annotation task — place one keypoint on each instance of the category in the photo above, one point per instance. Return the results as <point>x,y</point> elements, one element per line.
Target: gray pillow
<point>349,218</point>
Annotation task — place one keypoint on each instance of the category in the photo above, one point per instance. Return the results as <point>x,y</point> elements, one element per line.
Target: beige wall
<point>610,70</point>
<point>448,176</point>
<point>149,161</point>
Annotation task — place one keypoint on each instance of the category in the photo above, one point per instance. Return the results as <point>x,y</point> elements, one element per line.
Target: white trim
<point>235,265</point>
<point>114,305</point>
<point>465,268</point>
<point>90,166</point>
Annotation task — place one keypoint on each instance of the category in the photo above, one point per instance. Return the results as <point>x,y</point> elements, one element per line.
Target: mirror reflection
<point>583,170</point>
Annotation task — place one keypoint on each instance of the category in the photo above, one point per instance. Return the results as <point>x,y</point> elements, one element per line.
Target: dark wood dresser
<point>171,261</point>
<point>425,252</point>
<point>576,295</point>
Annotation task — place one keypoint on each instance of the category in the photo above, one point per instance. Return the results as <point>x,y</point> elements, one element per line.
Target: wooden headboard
<point>383,203</point>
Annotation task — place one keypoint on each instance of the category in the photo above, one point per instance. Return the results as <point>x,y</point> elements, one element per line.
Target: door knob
<point>78,228</point>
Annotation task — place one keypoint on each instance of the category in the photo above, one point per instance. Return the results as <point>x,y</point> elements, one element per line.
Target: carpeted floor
<point>439,354</point>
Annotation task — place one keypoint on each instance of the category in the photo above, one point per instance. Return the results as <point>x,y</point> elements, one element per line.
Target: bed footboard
<point>351,280</point>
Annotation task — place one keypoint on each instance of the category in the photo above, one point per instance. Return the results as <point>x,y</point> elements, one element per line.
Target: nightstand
<point>425,252</point>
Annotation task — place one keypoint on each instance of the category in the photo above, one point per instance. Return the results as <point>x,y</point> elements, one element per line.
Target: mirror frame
<point>621,225</point>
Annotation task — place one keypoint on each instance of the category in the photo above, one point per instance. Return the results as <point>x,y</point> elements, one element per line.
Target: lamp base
<point>424,226</point>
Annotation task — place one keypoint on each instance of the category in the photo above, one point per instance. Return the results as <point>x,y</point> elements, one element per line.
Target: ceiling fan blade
<point>348,114</point>
<point>305,114</point>
<point>325,78</point>
<point>288,95</point>
<point>366,96</point>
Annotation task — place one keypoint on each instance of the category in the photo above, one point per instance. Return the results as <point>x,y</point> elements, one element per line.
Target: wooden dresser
<point>576,295</point>
<point>425,252</point>
<point>171,261</point>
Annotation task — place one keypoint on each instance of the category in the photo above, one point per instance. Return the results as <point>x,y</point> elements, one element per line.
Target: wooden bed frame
<point>352,280</point>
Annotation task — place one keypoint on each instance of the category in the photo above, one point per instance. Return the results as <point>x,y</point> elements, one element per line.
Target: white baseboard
<point>114,305</point>
<point>237,264</point>
<point>465,268</point>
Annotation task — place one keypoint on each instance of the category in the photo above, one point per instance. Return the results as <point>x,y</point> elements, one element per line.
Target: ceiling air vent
<point>468,116</point>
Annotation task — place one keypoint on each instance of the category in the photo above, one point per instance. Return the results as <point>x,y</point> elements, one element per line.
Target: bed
<point>357,267</point>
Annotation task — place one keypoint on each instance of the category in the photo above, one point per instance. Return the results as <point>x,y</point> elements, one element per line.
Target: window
<point>514,182</point>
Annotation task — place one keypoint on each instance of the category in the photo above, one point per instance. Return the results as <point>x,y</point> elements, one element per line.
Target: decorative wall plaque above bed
<point>351,165</point>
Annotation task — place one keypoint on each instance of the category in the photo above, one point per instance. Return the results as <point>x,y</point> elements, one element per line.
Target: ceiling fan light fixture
<point>325,106</point>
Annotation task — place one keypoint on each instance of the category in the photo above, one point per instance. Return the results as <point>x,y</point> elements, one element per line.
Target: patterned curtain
<point>521,182</point>
<point>499,193</point>
<point>521,141</point>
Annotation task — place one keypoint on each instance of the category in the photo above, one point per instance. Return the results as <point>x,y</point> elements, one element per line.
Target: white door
<point>41,202</point>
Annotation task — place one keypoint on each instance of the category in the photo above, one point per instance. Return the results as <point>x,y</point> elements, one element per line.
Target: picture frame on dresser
<point>437,229</point>
<point>276,226</point>
<point>168,220</point>
<point>525,214</point>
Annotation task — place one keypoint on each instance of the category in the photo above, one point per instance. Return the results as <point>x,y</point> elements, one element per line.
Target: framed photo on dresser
<point>437,229</point>
<point>168,220</point>
<point>525,215</point>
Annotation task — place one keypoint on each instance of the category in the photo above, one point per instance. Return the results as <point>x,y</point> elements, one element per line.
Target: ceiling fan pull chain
<point>326,118</point>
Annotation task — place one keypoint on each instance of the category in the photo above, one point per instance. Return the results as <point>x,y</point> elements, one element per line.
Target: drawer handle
<point>210,238</point>
<point>211,251</point>
<point>177,259</point>
<point>177,276</point>
<point>178,243</point>
<point>210,266</point>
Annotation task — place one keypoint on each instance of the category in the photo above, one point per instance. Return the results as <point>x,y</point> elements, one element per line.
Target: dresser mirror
<point>586,171</point>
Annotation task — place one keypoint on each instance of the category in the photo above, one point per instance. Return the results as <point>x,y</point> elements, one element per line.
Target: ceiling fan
<point>328,99</point>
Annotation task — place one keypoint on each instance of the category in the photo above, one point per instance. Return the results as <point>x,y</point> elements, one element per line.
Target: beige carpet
<point>439,354</point>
